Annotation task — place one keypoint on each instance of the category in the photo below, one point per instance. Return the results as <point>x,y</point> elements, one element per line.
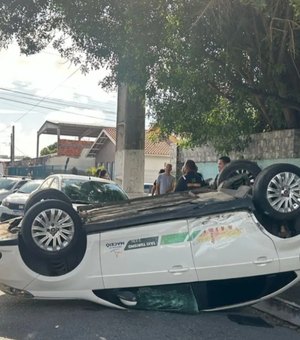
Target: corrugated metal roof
<point>69,129</point>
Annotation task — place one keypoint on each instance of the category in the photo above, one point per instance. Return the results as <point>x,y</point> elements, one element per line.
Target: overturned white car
<point>189,251</point>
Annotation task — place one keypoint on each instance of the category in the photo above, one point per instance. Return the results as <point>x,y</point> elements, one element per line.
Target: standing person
<point>102,173</point>
<point>165,182</point>
<point>222,162</point>
<point>153,190</point>
<point>191,178</point>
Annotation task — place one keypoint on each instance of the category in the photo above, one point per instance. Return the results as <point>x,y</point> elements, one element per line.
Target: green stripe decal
<point>194,235</point>
<point>173,238</point>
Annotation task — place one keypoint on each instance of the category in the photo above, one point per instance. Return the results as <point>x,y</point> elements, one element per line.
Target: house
<point>85,146</point>
<point>157,154</point>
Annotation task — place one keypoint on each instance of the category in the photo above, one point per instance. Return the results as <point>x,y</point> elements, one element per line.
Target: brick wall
<point>72,148</point>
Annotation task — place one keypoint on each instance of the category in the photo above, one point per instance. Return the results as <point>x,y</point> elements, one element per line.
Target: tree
<point>213,70</point>
<point>48,150</point>
<point>122,35</point>
<point>233,71</point>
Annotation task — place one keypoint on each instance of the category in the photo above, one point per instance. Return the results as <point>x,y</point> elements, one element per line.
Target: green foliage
<point>50,149</point>
<point>296,6</point>
<point>214,70</point>
<point>230,69</point>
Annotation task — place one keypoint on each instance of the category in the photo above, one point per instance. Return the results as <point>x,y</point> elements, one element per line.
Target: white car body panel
<point>17,275</point>
<point>231,245</point>
<point>154,258</point>
<point>288,251</point>
<point>86,276</point>
<point>210,243</point>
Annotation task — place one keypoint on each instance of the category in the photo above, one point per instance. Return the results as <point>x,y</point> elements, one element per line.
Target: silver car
<point>8,185</point>
<point>13,204</point>
<point>82,189</point>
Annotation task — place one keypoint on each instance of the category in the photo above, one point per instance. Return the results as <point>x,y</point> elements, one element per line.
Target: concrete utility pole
<point>12,144</point>
<point>130,144</point>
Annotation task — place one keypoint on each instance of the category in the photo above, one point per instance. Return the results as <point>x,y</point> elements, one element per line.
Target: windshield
<point>84,191</point>
<point>28,187</point>
<point>7,183</point>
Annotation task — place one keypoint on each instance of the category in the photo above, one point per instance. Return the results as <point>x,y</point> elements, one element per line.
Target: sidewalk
<point>285,306</point>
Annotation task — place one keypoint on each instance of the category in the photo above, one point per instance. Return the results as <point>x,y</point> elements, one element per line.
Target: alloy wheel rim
<point>283,192</point>
<point>52,230</point>
<point>247,173</point>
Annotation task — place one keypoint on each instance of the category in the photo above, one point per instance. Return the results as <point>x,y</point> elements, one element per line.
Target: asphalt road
<point>30,319</point>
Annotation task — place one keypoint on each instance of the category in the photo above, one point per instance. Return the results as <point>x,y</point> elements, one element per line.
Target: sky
<point>44,87</point>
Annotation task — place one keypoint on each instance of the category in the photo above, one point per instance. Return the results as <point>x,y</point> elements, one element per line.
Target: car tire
<point>52,229</point>
<point>46,194</point>
<point>276,191</point>
<point>240,171</point>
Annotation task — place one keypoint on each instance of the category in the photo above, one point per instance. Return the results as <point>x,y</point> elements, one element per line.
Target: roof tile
<point>161,148</point>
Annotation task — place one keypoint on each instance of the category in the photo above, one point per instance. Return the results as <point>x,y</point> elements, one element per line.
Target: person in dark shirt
<point>153,190</point>
<point>102,173</point>
<point>191,178</point>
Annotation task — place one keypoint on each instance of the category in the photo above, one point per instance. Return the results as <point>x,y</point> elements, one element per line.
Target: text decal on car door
<point>142,243</point>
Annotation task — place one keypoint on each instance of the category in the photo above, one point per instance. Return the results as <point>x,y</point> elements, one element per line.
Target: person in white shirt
<point>165,182</point>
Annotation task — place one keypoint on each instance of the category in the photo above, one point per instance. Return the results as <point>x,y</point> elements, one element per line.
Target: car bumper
<point>16,276</point>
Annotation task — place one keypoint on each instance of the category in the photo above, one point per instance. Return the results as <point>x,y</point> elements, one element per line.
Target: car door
<point>231,245</point>
<point>151,254</point>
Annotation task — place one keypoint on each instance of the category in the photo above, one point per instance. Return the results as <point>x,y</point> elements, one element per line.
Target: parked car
<point>79,189</point>
<point>200,250</point>
<point>148,188</point>
<point>9,185</point>
<point>13,204</point>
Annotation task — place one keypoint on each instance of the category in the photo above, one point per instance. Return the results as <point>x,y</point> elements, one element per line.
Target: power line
<point>45,98</point>
<point>51,100</point>
<point>54,109</point>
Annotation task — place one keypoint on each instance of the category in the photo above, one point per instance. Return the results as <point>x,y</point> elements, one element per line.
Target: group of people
<point>190,179</point>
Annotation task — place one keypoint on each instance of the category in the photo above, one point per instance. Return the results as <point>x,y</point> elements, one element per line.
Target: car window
<point>92,191</point>
<point>21,183</point>
<point>7,183</point>
<point>29,187</point>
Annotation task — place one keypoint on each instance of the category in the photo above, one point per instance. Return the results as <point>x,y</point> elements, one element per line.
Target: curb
<point>281,309</point>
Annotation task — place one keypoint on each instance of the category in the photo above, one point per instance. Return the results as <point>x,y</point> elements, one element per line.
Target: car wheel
<point>276,191</point>
<point>240,172</point>
<point>46,194</point>
<point>52,229</point>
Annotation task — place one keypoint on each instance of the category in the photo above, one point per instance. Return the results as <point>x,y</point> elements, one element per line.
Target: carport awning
<point>70,129</point>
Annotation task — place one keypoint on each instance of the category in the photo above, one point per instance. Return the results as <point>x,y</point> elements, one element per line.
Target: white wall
<point>152,166</point>
<point>82,163</point>
<point>107,153</point>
